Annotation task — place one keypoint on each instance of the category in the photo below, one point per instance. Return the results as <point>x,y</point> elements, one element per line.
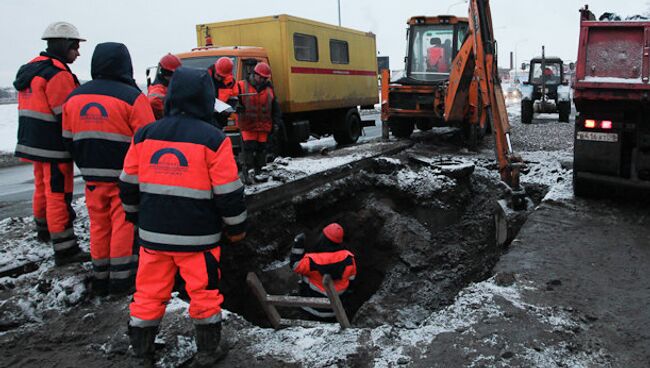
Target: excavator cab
<point>433,43</point>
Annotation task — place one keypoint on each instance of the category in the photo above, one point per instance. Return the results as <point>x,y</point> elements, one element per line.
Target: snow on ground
<point>47,288</point>
<point>8,127</point>
<point>325,346</point>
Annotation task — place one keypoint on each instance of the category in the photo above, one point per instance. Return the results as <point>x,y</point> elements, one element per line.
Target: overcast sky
<point>152,28</point>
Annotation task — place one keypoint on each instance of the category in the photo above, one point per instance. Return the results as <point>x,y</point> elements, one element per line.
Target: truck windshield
<point>204,62</point>
<point>431,50</point>
<point>551,72</point>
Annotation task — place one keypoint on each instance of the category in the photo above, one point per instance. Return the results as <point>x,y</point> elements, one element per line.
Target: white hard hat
<point>61,30</point>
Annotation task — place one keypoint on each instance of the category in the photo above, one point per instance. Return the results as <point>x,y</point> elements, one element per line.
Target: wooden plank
<point>337,306</point>
<point>17,270</point>
<point>258,289</point>
<point>298,301</point>
<point>300,323</point>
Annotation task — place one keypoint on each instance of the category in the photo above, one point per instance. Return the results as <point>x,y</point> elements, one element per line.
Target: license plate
<point>597,136</point>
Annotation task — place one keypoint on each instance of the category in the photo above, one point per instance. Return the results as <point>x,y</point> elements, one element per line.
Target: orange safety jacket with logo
<point>43,84</point>
<point>258,112</point>
<point>327,258</point>
<point>180,181</point>
<point>156,94</point>
<point>101,116</point>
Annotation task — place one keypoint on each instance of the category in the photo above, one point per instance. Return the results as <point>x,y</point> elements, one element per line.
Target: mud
<point>421,232</point>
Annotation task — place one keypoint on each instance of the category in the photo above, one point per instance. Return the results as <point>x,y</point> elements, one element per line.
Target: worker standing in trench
<point>327,256</point>
<point>43,84</point>
<point>181,186</point>
<point>99,121</point>
<point>259,116</point>
<point>158,89</point>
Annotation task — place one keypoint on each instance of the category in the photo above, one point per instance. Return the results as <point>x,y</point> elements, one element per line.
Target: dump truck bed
<point>613,61</point>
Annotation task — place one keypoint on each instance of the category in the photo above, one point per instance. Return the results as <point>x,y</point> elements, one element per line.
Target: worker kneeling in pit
<point>327,256</point>
<point>180,185</point>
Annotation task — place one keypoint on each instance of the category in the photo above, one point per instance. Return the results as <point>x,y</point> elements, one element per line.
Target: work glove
<point>236,238</point>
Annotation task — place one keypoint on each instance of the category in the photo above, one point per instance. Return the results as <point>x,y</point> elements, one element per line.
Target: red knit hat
<point>334,232</point>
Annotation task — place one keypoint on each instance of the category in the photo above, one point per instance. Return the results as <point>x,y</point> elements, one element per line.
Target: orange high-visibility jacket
<point>43,84</point>
<point>100,117</point>
<point>156,94</point>
<point>258,107</point>
<point>180,180</point>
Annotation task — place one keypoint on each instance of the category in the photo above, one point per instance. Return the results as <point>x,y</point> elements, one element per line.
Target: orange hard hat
<point>170,62</point>
<point>223,66</point>
<point>263,69</point>
<point>334,232</point>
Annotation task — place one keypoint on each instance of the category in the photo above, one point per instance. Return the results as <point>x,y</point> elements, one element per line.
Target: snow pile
<point>390,346</point>
<point>32,295</point>
<point>8,127</point>
<point>547,168</point>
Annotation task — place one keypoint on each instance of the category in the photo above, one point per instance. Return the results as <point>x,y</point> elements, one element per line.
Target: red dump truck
<point>612,97</point>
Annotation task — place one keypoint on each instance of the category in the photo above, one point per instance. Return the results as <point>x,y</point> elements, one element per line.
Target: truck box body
<point>612,135</point>
<point>307,76</point>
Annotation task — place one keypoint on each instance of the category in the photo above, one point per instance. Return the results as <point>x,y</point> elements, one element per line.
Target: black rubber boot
<point>43,236</point>
<point>99,287</point>
<point>249,163</point>
<point>143,342</point>
<point>74,255</point>
<point>209,349</point>
<point>260,161</point>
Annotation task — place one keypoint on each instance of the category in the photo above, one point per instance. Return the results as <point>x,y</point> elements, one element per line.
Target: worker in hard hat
<point>221,72</point>
<point>43,85</point>
<point>260,115</point>
<point>327,256</point>
<point>158,89</point>
<point>99,121</point>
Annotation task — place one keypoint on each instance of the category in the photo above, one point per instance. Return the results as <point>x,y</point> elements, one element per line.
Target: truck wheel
<point>564,108</point>
<point>401,128</point>
<point>423,124</point>
<point>349,130</point>
<point>526,112</point>
<point>581,188</point>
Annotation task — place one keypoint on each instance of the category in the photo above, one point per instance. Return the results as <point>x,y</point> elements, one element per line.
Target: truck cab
<point>433,43</point>
<point>546,90</point>
<point>413,99</point>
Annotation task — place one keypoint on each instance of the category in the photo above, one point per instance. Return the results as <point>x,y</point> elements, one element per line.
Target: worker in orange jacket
<point>328,256</point>
<point>260,115</point>
<point>99,120</point>
<point>221,72</point>
<point>158,89</point>
<point>180,185</point>
<point>43,85</point>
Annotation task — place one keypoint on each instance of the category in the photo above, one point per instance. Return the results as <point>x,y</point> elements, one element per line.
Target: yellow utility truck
<point>320,73</point>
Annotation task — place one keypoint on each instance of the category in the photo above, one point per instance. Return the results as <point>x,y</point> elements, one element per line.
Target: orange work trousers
<point>111,238</point>
<point>261,137</point>
<point>155,280</point>
<point>51,203</point>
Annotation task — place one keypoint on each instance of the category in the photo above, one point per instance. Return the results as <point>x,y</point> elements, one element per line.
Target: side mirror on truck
<point>523,66</point>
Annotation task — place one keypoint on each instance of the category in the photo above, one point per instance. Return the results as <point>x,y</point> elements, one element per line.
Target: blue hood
<point>190,92</point>
<point>112,61</point>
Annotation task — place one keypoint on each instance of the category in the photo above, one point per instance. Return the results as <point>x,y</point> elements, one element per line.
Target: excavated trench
<point>419,236</point>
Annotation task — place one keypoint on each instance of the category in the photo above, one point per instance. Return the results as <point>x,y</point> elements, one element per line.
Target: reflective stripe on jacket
<point>258,106</point>
<point>99,121</point>
<point>43,84</point>
<point>180,180</point>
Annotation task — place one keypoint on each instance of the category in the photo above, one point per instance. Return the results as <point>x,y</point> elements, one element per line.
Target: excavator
<point>470,97</point>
